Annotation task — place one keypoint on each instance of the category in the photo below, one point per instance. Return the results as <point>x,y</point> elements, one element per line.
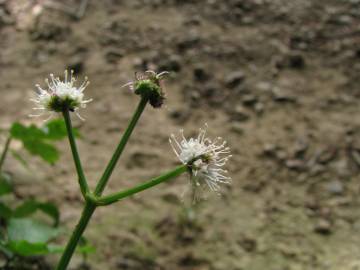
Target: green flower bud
<point>149,85</point>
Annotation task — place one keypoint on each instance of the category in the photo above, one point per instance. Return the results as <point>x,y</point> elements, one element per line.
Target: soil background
<point>278,79</point>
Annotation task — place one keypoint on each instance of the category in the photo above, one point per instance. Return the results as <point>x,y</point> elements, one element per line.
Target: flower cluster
<point>149,84</point>
<point>204,157</point>
<point>61,95</point>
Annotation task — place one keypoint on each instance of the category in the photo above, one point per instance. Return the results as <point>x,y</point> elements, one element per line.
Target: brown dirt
<point>278,79</point>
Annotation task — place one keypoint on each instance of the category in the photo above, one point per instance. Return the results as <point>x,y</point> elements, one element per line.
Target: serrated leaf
<point>5,211</point>
<point>37,140</point>
<point>29,230</point>
<point>23,133</point>
<point>45,150</point>
<point>5,184</point>
<point>30,207</point>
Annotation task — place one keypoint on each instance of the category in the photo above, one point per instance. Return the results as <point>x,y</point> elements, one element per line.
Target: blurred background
<point>278,79</point>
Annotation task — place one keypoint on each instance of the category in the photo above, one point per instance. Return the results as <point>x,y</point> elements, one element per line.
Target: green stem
<point>76,235</point>
<point>92,202</point>
<point>106,200</point>
<point>4,152</point>
<point>81,176</point>
<point>112,163</point>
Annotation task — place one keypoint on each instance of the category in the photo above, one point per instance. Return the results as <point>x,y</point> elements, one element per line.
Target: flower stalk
<point>120,148</point>
<point>91,204</point>
<point>110,199</point>
<point>201,157</point>
<point>80,172</point>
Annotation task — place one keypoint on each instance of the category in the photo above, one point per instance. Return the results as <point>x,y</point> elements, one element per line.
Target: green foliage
<point>30,207</point>
<point>5,184</point>
<point>24,248</point>
<point>40,141</point>
<point>46,151</point>
<point>20,233</point>
<point>32,231</point>
<point>29,237</point>
<point>55,130</point>
<point>25,236</point>
<point>5,211</point>
<point>23,133</point>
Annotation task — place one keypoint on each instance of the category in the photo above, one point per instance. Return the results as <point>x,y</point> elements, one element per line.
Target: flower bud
<point>149,85</point>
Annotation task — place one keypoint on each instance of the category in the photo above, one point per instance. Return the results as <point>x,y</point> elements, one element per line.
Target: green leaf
<point>56,130</point>
<point>85,250</point>
<point>23,133</point>
<point>28,237</point>
<point>33,141</point>
<point>45,150</point>
<point>18,157</point>
<point>51,210</point>
<point>55,248</point>
<point>25,209</point>
<point>32,231</point>
<point>84,247</point>
<point>37,140</point>
<point>30,207</point>
<point>25,248</point>
<point>5,184</point>
<point>5,211</point>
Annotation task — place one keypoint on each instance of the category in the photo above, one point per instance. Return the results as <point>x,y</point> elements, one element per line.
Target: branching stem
<point>109,199</point>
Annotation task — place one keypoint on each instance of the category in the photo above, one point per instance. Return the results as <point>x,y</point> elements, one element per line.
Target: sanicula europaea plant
<point>201,157</point>
<point>22,233</point>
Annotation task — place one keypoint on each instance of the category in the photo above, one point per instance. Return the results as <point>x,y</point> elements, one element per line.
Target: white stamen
<point>206,157</point>
<point>64,90</point>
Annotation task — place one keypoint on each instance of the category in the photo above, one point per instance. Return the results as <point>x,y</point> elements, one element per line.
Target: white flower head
<point>205,158</point>
<point>61,95</point>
